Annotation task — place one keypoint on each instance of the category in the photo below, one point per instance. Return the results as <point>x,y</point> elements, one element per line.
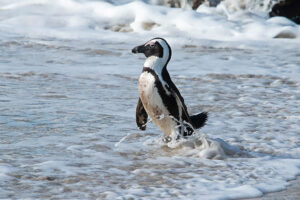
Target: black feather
<point>199,120</point>
<point>141,115</point>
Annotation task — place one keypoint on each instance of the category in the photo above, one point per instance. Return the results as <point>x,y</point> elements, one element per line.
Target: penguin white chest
<point>149,95</point>
<point>153,103</point>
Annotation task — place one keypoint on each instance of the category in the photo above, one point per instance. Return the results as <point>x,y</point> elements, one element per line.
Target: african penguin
<point>159,97</point>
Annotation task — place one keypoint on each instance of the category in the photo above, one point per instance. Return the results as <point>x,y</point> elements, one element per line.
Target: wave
<point>111,20</point>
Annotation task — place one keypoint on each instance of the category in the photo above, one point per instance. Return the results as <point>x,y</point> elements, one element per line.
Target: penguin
<point>159,97</point>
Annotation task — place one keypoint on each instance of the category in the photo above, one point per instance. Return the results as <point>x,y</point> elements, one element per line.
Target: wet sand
<point>291,193</point>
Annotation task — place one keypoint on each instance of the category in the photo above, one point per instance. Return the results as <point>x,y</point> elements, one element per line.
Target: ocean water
<point>68,92</point>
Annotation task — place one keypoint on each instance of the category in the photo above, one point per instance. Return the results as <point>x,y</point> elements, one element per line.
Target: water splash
<point>122,139</point>
<point>200,145</point>
<point>249,5</point>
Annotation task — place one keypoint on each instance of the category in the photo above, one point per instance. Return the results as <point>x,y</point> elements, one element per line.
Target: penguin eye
<point>150,46</point>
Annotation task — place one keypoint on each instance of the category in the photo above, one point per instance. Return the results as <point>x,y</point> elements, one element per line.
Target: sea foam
<point>83,19</point>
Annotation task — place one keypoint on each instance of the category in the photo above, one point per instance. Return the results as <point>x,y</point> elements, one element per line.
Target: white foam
<point>199,145</point>
<point>84,19</point>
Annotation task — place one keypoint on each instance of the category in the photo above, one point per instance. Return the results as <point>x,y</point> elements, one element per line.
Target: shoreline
<point>292,192</point>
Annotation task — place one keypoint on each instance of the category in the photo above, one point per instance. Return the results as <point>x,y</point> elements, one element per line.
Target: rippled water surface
<point>67,121</point>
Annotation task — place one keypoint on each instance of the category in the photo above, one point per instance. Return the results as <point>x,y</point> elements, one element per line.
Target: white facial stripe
<point>164,46</point>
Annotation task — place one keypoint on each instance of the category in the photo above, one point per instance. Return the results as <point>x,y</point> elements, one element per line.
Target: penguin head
<point>157,47</point>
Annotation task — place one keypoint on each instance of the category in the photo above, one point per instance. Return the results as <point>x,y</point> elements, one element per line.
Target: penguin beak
<point>138,49</point>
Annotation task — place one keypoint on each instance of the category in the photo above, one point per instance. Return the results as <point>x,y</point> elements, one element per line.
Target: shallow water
<point>64,113</point>
<point>67,117</point>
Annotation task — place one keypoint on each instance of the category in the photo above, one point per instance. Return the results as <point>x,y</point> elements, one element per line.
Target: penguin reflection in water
<point>159,97</point>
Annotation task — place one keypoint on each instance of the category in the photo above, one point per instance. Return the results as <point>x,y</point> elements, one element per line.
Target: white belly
<point>153,104</point>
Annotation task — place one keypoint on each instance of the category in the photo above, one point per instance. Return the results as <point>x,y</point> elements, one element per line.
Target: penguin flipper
<point>141,115</point>
<point>199,120</point>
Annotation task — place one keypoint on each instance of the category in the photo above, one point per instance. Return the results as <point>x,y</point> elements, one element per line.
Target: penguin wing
<point>185,114</point>
<point>198,120</point>
<point>141,115</point>
<point>175,92</point>
<point>173,88</point>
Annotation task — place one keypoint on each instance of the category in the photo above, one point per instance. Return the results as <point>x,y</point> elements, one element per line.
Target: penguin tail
<point>199,120</point>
